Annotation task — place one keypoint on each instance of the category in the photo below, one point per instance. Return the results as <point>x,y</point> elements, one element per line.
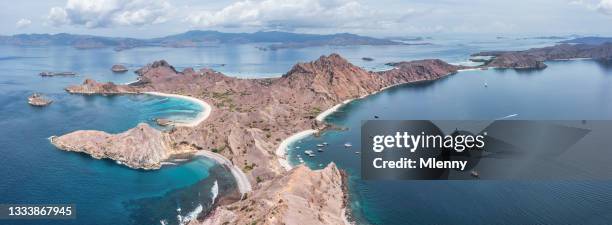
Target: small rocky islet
<point>118,68</point>
<point>38,99</point>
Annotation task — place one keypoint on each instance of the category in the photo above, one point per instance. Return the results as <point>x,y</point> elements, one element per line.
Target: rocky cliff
<point>141,147</point>
<point>301,196</point>
<point>534,58</point>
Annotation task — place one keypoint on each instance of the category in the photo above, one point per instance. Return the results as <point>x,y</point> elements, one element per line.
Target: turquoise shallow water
<point>33,171</point>
<point>566,90</point>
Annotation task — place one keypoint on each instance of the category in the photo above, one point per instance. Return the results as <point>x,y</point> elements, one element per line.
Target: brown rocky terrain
<point>534,58</point>
<point>141,147</point>
<point>90,86</point>
<point>249,119</point>
<point>251,116</point>
<point>37,99</point>
<point>302,196</point>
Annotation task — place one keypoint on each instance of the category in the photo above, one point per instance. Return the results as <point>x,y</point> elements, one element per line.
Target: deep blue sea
<point>566,90</point>
<point>33,171</point>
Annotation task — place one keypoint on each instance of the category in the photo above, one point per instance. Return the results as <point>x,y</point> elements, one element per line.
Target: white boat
<point>356,152</point>
<point>308,152</point>
<point>325,143</point>
<point>348,145</point>
<point>475,173</point>
<point>320,150</point>
<point>320,145</point>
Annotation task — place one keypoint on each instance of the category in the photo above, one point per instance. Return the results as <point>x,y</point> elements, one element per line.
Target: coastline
<point>243,183</point>
<point>206,108</point>
<point>322,115</point>
<point>281,151</point>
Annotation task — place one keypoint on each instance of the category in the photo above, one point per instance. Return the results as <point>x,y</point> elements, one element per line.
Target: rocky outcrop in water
<point>119,68</point>
<point>534,58</point>
<point>141,147</point>
<point>37,99</point>
<point>302,196</point>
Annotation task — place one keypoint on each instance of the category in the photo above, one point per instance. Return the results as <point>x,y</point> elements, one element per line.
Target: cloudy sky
<point>153,18</point>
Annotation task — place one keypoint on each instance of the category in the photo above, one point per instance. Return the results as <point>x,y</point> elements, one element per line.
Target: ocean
<point>107,193</point>
<point>566,90</point>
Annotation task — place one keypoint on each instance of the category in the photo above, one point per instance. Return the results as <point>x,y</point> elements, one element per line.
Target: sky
<point>378,18</point>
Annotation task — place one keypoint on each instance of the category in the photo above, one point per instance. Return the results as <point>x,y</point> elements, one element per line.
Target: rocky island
<point>119,68</point>
<point>534,58</point>
<point>37,99</point>
<point>249,119</point>
<point>251,116</point>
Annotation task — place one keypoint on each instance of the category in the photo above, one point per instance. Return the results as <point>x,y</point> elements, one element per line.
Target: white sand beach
<point>281,151</point>
<point>331,110</point>
<point>244,185</point>
<point>206,109</point>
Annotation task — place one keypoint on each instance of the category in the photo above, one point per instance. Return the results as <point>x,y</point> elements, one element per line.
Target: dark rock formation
<point>119,68</point>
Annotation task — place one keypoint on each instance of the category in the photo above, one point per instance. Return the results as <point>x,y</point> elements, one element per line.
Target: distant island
<point>272,40</point>
<point>534,58</point>
<point>589,40</point>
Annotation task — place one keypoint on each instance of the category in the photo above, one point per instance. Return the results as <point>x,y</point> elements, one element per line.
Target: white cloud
<point>22,23</point>
<point>105,13</point>
<point>605,6</point>
<point>292,14</point>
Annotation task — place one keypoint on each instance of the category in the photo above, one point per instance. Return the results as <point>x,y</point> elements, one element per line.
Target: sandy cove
<point>244,186</point>
<point>242,182</point>
<point>206,108</point>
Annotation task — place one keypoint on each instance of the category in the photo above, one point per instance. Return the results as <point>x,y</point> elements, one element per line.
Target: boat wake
<point>507,117</point>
